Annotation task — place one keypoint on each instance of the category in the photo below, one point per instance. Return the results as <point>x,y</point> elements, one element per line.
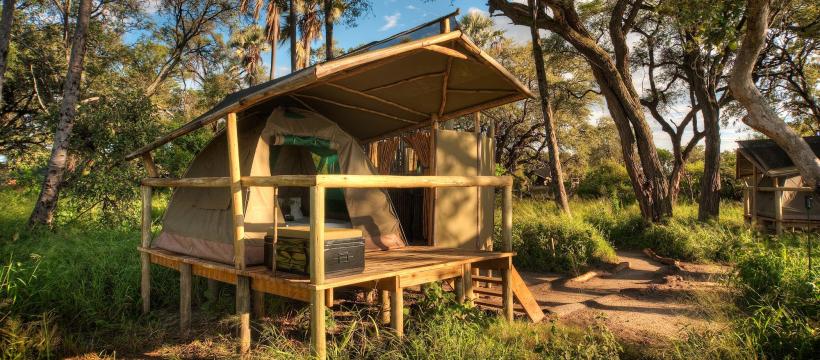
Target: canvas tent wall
<point>198,220</point>
<point>764,165</point>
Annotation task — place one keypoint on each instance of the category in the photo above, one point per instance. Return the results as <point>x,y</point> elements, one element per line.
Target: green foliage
<point>609,179</point>
<point>547,241</point>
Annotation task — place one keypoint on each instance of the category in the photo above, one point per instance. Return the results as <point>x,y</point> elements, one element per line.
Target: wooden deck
<point>409,266</point>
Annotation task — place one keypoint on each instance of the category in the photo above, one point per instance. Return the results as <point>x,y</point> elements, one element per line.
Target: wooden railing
<point>750,199</point>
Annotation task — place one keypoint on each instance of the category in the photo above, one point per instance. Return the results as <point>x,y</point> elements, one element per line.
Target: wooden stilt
<point>397,309</point>
<point>778,206</point>
<point>258,304</point>
<point>507,294</point>
<point>317,324</point>
<point>243,307</point>
<point>317,271</point>
<point>185,299</point>
<point>458,283</point>
<point>384,298</point>
<point>213,290</point>
<point>468,283</point>
<point>145,259</point>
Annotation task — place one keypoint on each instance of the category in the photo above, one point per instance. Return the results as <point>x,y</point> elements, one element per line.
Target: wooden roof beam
<point>404,81</point>
<point>354,107</point>
<point>447,51</point>
<point>376,98</point>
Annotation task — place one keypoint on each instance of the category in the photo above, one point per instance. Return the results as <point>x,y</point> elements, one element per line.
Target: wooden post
<point>243,283</point>
<point>243,308</point>
<point>754,196</point>
<point>384,298</point>
<point>185,299</point>
<point>213,291</point>
<point>746,205</point>
<point>468,283</point>
<point>444,25</point>
<point>397,308</point>
<point>477,132</point>
<point>237,207</point>
<point>506,219</point>
<point>458,284</point>
<point>317,271</point>
<point>258,304</point>
<point>778,206</point>
<point>145,258</point>
<point>506,293</point>
<point>431,199</point>
<point>150,167</point>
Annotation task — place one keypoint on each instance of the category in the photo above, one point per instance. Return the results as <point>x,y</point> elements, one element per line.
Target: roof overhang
<point>381,92</point>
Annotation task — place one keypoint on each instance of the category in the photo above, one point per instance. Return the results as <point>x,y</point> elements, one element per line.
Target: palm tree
<point>310,27</point>
<point>335,10</point>
<point>248,45</point>
<point>481,29</point>
<point>272,14</point>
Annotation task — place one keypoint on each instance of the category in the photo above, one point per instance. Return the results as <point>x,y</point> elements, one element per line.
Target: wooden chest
<point>344,250</point>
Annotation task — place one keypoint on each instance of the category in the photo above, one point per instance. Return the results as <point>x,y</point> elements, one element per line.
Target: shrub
<point>605,180</point>
<point>556,243</point>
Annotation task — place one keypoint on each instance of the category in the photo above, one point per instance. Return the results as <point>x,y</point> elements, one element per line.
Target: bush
<point>545,241</point>
<point>609,179</point>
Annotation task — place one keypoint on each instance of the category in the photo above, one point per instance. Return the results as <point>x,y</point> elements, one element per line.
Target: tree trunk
<point>43,213</point>
<point>554,162</point>
<point>274,38</point>
<point>704,89</point>
<point>612,76</point>
<point>292,23</point>
<point>328,30</point>
<point>5,38</point>
<point>760,115</point>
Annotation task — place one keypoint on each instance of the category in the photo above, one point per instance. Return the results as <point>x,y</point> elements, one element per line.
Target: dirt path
<point>647,304</point>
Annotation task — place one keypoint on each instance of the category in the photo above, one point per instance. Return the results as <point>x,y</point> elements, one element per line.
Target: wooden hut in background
<point>775,198</point>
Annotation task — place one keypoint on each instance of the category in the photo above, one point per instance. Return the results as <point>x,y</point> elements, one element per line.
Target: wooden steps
<point>523,300</point>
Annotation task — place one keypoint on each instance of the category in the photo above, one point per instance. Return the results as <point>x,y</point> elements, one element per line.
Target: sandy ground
<point>647,304</point>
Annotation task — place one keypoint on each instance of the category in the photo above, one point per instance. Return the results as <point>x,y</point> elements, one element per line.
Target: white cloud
<point>411,7</point>
<point>390,21</point>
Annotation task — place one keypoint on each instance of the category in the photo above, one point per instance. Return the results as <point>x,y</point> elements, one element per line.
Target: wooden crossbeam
<point>447,51</point>
<point>404,81</point>
<point>376,98</point>
<point>355,108</point>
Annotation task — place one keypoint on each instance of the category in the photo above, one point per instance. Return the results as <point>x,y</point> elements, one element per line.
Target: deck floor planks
<point>379,265</point>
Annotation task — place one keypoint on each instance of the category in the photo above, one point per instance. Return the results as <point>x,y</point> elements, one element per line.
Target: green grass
<point>75,290</point>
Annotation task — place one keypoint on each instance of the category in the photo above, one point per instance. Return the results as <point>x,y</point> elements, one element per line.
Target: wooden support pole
<point>468,283</point>
<point>145,258</point>
<point>243,308</point>
<point>317,271</point>
<point>507,293</point>
<point>431,198</point>
<point>150,167</point>
<point>258,304</point>
<point>317,324</point>
<point>754,196</point>
<point>444,25</point>
<point>384,307</point>
<point>458,284</point>
<point>778,206</point>
<point>213,291</point>
<point>184,299</point>
<point>506,219</point>
<point>397,309</point>
<point>237,208</point>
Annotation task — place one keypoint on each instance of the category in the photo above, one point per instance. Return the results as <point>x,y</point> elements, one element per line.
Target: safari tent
<point>775,197</point>
<point>351,142</point>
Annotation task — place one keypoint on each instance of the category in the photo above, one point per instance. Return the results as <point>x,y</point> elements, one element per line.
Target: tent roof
<point>397,84</point>
<point>768,157</point>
